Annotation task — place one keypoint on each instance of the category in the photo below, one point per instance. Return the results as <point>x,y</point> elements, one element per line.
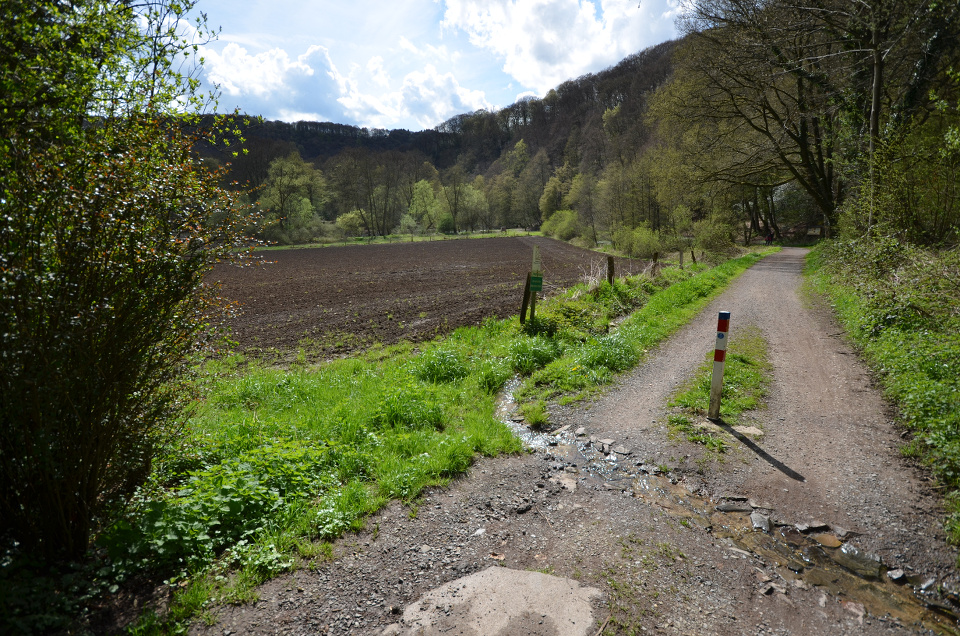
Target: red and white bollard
<point>719,355</point>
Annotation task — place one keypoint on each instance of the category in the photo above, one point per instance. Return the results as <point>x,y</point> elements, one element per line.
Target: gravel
<point>666,560</point>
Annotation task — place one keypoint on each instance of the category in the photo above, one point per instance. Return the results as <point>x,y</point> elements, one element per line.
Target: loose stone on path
<point>499,600</point>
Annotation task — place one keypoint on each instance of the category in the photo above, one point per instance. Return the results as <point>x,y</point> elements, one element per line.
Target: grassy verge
<point>746,381</point>
<point>277,463</point>
<point>899,305</point>
<point>281,461</point>
<point>582,366</point>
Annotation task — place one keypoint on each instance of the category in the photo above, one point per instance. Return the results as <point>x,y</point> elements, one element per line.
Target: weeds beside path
<point>280,461</point>
<point>554,511</point>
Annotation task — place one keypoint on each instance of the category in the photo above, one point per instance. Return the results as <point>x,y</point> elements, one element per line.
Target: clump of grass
<point>535,414</point>
<point>409,406</point>
<point>531,353</point>
<point>439,364</point>
<point>683,425</point>
<point>746,380</point>
<point>492,375</point>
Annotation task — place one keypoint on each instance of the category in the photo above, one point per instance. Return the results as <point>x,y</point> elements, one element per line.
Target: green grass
<point>276,463</point>
<point>746,380</point>
<point>899,306</point>
<point>592,360</point>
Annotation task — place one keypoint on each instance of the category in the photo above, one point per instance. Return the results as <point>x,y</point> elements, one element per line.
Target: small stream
<point>814,556</point>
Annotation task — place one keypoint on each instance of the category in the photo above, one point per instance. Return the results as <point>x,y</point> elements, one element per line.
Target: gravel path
<point>643,525</point>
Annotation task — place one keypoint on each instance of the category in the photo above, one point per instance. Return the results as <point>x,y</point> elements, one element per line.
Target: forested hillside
<point>512,167</point>
<point>763,120</point>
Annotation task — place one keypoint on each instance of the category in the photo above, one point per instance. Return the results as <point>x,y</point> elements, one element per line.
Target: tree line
<point>764,119</point>
<point>851,104</point>
<point>574,149</point>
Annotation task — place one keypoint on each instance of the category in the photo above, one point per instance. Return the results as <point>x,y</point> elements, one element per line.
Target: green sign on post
<point>536,283</point>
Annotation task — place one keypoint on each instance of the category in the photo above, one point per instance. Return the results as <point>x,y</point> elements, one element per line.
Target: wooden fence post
<point>526,300</point>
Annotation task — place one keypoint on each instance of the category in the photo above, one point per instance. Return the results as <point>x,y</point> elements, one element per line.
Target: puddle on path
<point>804,558</point>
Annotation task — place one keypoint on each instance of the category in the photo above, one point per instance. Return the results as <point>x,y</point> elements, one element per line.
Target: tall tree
<point>108,225</point>
<point>424,207</point>
<point>800,76</point>
<point>290,190</point>
<point>455,183</point>
<point>530,185</point>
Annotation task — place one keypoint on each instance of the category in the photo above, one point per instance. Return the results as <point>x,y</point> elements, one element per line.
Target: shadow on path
<point>749,443</point>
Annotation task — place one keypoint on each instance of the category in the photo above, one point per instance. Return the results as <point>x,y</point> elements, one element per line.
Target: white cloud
<point>273,84</point>
<point>285,114</point>
<point>377,72</point>
<point>429,51</point>
<point>545,42</point>
<point>418,62</point>
<point>310,87</point>
<point>431,97</point>
<point>236,71</point>
<point>426,97</point>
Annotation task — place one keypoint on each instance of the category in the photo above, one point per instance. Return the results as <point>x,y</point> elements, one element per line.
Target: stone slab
<point>501,602</point>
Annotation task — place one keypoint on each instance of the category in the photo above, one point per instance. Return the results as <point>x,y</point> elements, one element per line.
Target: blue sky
<point>414,63</point>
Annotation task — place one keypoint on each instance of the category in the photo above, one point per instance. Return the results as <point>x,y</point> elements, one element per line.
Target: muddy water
<point>815,557</point>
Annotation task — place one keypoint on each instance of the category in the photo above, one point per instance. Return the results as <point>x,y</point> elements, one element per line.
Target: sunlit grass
<point>279,461</point>
<point>746,380</point>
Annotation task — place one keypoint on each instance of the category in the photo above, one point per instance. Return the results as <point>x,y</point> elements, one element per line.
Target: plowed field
<point>331,300</point>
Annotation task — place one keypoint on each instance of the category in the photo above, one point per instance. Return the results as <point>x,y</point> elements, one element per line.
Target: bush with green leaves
<point>562,224</point>
<point>446,224</point>
<point>715,236</point>
<point>108,225</point>
<point>913,194</point>
<point>638,242</point>
<point>220,505</point>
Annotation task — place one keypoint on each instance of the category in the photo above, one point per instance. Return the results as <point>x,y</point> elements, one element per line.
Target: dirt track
<point>666,559</point>
<point>336,299</point>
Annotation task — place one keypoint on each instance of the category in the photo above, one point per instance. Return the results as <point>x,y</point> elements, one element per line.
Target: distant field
<point>336,299</point>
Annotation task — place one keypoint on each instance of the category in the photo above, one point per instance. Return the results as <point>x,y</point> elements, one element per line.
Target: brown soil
<point>333,300</point>
<point>642,524</point>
